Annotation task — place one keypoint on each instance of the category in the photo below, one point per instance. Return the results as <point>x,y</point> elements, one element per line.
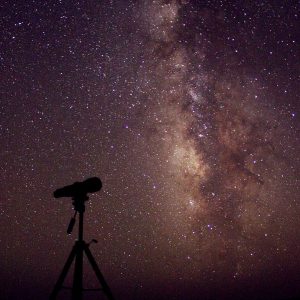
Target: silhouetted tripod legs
<point>77,289</point>
<point>99,275</point>
<point>64,273</point>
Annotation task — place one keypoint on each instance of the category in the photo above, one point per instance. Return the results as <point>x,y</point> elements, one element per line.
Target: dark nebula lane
<point>188,111</point>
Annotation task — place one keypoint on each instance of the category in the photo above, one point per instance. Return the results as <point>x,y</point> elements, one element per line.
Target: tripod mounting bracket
<point>78,202</point>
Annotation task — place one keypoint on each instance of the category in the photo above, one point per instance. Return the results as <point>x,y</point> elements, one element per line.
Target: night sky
<point>188,111</point>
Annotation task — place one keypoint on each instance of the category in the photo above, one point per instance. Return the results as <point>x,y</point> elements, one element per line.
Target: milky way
<point>187,111</point>
<point>223,144</point>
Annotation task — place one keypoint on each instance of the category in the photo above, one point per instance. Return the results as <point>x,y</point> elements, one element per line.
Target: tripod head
<point>78,203</point>
<point>78,191</point>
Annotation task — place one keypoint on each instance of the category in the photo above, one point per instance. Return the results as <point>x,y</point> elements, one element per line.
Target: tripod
<point>77,252</point>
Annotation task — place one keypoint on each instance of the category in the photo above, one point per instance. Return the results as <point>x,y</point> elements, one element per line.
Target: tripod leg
<point>77,280</point>
<point>99,275</point>
<point>63,273</point>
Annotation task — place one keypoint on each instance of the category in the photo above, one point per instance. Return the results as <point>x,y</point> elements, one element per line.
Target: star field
<point>188,111</point>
